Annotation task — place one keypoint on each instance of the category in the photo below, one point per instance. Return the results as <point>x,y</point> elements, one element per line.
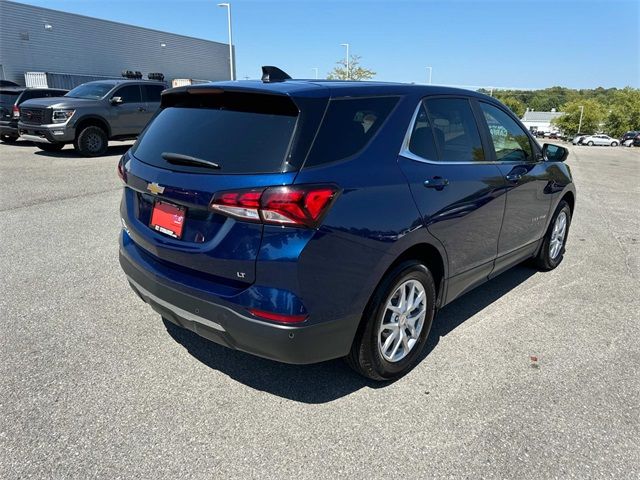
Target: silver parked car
<point>577,140</point>
<point>600,140</point>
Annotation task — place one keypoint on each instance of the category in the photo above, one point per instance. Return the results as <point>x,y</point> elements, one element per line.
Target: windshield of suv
<point>92,91</point>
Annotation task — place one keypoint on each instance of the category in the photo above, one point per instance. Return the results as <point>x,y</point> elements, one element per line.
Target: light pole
<point>580,122</point>
<point>430,70</point>
<point>347,45</point>
<point>228,7</point>
<point>316,70</point>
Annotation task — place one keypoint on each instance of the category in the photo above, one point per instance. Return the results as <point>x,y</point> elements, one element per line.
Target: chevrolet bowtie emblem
<point>155,188</point>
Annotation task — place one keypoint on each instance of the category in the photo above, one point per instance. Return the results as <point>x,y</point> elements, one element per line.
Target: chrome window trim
<point>405,152</point>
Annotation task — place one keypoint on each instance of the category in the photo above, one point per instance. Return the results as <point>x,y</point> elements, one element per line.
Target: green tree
<point>515,105</point>
<point>594,114</point>
<point>624,113</point>
<point>356,71</point>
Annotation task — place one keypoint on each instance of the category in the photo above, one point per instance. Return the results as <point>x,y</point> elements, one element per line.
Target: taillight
<point>298,205</point>
<point>16,111</point>
<point>278,317</point>
<point>121,172</point>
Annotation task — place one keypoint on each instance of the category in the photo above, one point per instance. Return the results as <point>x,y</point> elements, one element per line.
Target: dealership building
<point>71,49</point>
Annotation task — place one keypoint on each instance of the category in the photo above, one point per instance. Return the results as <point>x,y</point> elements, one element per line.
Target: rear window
<point>151,93</point>
<point>8,98</point>
<point>237,139</point>
<point>347,127</point>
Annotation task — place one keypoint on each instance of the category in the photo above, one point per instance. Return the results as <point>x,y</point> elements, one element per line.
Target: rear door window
<point>422,142</point>
<point>347,127</point>
<point>240,133</point>
<point>151,93</point>
<point>129,94</point>
<point>455,130</point>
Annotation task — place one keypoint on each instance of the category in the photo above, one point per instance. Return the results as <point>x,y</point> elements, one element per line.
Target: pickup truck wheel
<point>552,250</point>
<point>397,323</point>
<point>8,138</point>
<point>50,147</point>
<point>92,141</point>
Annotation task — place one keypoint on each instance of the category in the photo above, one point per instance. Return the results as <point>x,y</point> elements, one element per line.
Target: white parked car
<point>600,140</point>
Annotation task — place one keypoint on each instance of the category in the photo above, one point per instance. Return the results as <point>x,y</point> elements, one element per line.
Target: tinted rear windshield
<point>8,98</point>
<point>241,137</point>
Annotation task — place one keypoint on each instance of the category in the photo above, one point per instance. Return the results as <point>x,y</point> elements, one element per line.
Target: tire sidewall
<point>81,144</point>
<point>406,271</point>
<point>551,263</point>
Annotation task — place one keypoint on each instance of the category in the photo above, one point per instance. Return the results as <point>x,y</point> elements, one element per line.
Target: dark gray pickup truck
<point>90,115</point>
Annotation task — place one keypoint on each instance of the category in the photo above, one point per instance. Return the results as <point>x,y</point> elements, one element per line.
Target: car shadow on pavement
<point>71,152</point>
<point>18,143</point>
<point>328,381</point>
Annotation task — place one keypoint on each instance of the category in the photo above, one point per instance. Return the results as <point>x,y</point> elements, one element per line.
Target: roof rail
<point>273,74</point>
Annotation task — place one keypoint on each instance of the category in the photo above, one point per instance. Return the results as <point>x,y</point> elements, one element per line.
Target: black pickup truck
<point>11,97</point>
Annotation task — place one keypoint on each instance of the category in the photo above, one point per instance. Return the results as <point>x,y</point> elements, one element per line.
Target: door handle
<point>141,109</point>
<point>436,182</point>
<point>513,177</point>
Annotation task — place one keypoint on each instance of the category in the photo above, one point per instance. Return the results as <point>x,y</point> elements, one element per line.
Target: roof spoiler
<point>273,74</point>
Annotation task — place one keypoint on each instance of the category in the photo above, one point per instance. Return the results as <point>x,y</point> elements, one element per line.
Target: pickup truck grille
<point>34,116</point>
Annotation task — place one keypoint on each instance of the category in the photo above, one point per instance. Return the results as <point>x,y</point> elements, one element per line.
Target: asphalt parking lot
<point>94,385</point>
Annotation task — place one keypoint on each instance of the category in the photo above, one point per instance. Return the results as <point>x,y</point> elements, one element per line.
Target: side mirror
<point>116,100</point>
<point>554,153</point>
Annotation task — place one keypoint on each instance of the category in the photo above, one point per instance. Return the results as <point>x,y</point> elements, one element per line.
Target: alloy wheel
<point>94,143</point>
<point>557,235</point>
<point>402,321</point>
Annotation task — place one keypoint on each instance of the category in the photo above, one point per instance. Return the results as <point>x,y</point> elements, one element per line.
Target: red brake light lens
<point>16,111</point>
<point>121,172</point>
<point>278,317</point>
<point>300,205</point>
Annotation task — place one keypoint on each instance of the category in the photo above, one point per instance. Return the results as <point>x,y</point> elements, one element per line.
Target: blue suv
<point>303,220</point>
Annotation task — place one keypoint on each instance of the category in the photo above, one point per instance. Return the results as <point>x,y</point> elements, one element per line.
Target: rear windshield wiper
<point>180,159</point>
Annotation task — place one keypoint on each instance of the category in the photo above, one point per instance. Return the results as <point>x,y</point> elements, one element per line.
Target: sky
<point>493,43</point>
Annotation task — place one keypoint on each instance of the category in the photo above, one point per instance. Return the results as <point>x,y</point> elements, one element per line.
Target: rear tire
<point>50,147</point>
<point>553,245</point>
<point>8,138</point>
<point>386,322</point>
<point>92,141</point>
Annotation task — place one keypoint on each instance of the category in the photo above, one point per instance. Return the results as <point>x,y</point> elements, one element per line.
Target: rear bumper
<point>6,128</point>
<point>232,326</point>
<point>57,133</point>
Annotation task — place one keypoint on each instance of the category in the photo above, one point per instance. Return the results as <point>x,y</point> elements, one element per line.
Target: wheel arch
<point>570,198</point>
<point>431,257</point>
<point>424,252</point>
<point>95,121</point>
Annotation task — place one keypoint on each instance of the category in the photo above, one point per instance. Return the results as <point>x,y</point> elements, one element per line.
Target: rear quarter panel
<point>371,223</point>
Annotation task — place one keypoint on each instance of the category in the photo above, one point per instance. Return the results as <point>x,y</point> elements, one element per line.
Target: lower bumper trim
<point>176,310</point>
<point>34,138</point>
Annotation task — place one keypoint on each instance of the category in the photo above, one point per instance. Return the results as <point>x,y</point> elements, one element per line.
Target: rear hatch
<point>8,98</point>
<point>204,141</point>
